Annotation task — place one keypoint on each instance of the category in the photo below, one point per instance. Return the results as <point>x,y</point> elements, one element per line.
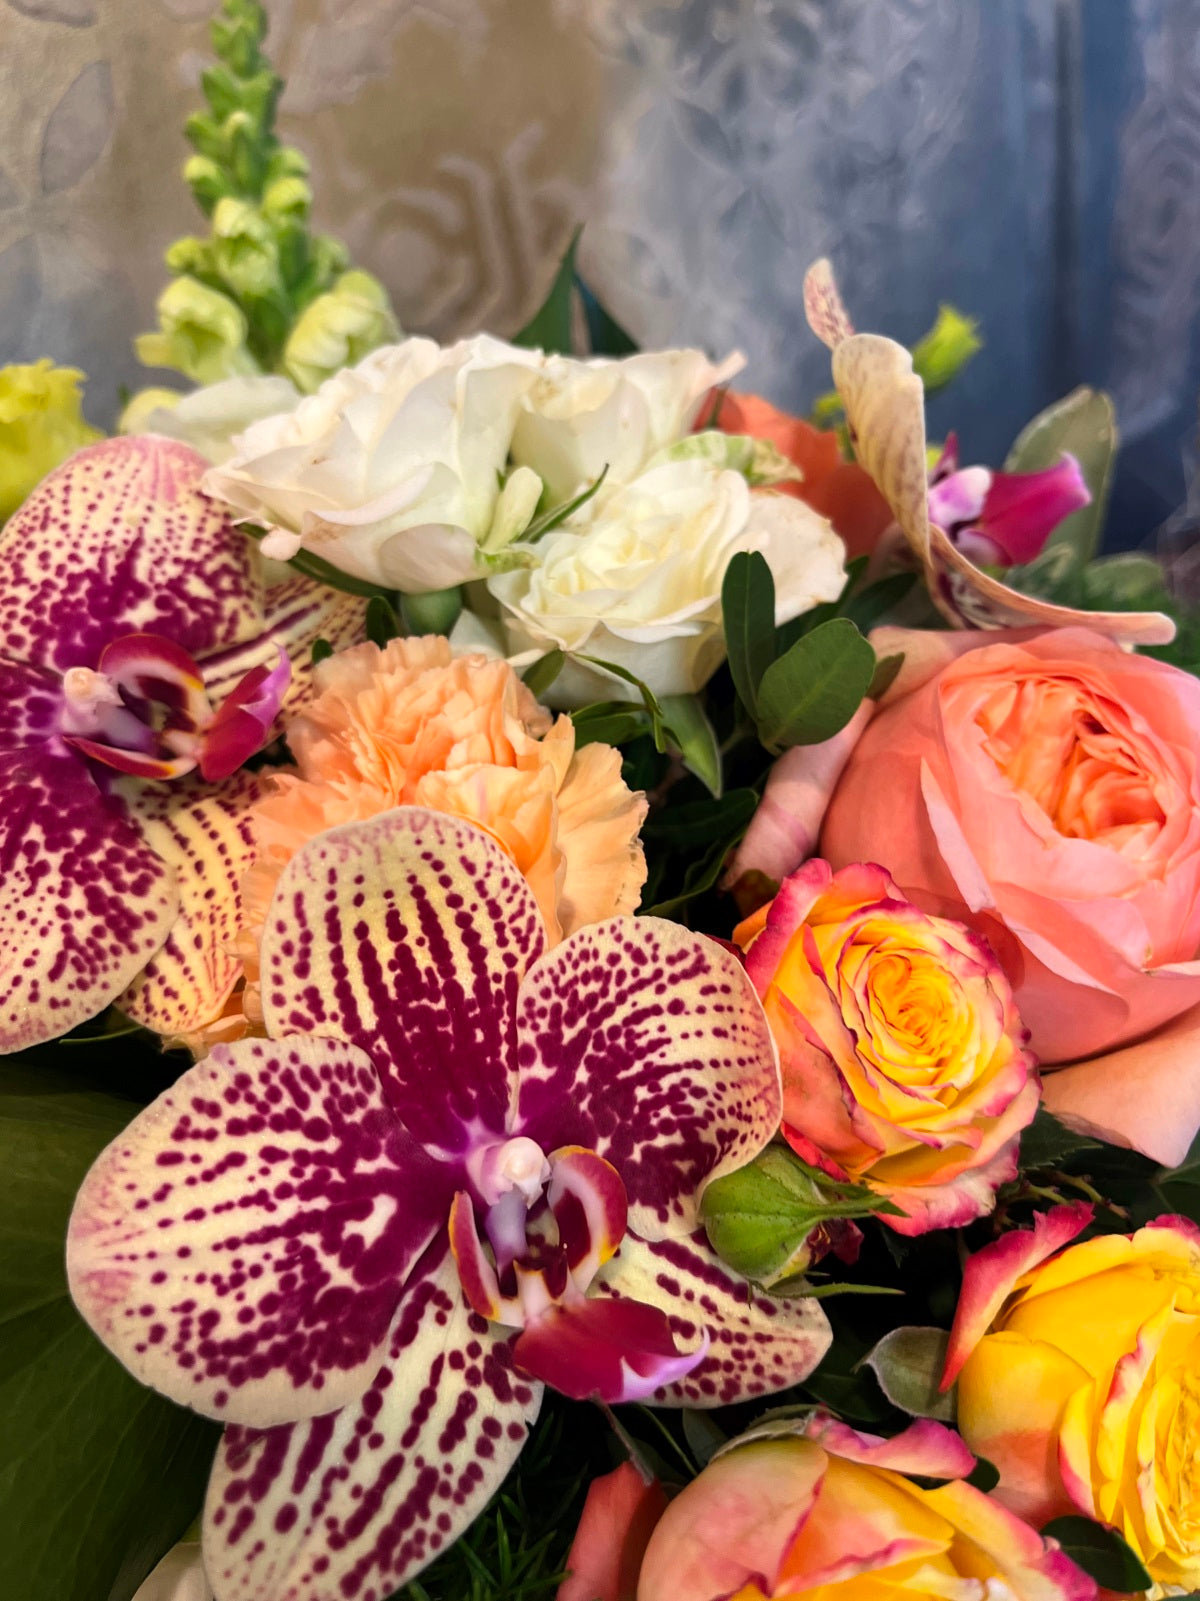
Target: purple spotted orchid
<point>1002,519</point>
<point>460,1168</point>
<point>139,645</point>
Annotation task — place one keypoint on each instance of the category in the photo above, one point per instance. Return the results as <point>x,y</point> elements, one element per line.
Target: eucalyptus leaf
<point>908,1362</point>
<point>748,615</point>
<point>811,693</point>
<point>98,1475</point>
<point>550,327</point>
<point>690,731</point>
<point>539,675</point>
<point>606,336</point>
<point>1084,424</point>
<point>1100,1552</point>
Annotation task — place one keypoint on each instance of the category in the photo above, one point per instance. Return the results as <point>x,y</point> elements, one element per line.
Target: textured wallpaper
<point>1036,161</point>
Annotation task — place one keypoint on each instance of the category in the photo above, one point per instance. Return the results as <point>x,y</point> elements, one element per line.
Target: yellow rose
<point>1079,1377</point>
<point>41,423</point>
<point>904,1061</point>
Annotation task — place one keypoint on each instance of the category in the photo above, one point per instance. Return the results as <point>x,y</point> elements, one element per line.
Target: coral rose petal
<point>87,903</point>
<point>205,835</point>
<point>408,935</point>
<point>611,1351</point>
<point>1033,1569</point>
<point>357,1502</point>
<point>243,1244</point>
<point>991,1274</point>
<point>925,1448</point>
<point>646,1043</point>
<point>1145,1095</point>
<point>734,1525</point>
<point>618,1518</point>
<point>759,1344</point>
<point>121,540</point>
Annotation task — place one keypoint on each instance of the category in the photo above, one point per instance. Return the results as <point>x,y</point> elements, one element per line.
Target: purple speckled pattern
<point>119,541</point>
<point>243,1244</point>
<point>346,1507</point>
<point>409,937</point>
<point>637,1041</point>
<point>760,1344</point>
<point>86,901</point>
<point>205,835</point>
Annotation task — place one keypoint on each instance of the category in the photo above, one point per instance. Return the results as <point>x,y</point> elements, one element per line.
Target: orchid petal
<point>206,835</point>
<point>408,935</point>
<point>609,1350</point>
<point>590,1208</point>
<point>297,613</point>
<point>243,1244</point>
<point>992,1273</point>
<point>647,1044</point>
<point>86,902</point>
<point>760,1344</point>
<point>476,1274</point>
<point>152,668</point>
<point>132,762</point>
<point>1022,510</point>
<point>120,540</point>
<point>244,720</point>
<point>356,1503</point>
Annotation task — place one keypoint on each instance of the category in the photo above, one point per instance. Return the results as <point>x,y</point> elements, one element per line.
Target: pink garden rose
<point>1045,788</point>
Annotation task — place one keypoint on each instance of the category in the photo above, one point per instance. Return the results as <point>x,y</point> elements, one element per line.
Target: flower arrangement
<point>598,983</point>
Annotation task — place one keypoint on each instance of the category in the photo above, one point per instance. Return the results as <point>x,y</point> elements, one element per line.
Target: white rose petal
<point>391,470</point>
<point>210,418</point>
<point>582,416</point>
<point>636,579</point>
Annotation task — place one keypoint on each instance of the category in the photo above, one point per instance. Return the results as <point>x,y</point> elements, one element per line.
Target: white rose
<point>391,470</point>
<point>636,580</point>
<point>178,1577</point>
<point>209,418</point>
<point>582,416</point>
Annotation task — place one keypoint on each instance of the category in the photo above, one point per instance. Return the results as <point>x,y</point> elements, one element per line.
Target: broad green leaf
<point>788,633</point>
<point>606,337</point>
<point>550,327</point>
<point>1084,424</point>
<point>321,651</point>
<point>650,703</point>
<point>607,722</point>
<point>811,693</point>
<point>748,615</point>
<point>539,676</point>
<point>703,1435</point>
<point>692,826</point>
<point>1047,1141</point>
<point>382,624</point>
<point>690,731</point>
<point>871,604</point>
<point>908,1363</point>
<point>1100,1552</point>
<point>884,675</point>
<point>98,1475</point>
<point>1126,582</point>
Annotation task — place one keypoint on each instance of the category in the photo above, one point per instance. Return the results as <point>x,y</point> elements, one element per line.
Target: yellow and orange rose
<point>820,1510</point>
<point>412,725</point>
<point>1079,1377</point>
<point>904,1060</point>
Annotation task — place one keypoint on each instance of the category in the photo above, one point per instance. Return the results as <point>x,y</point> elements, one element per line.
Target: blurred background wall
<point>1037,162</point>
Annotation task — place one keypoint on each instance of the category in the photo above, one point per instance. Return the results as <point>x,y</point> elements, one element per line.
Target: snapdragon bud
<point>338,329</point>
<point>201,333</point>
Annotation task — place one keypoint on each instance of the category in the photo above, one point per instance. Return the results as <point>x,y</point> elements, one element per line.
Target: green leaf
<point>606,337</point>
<point>1188,1171</point>
<point>382,624</point>
<point>884,675</point>
<point>658,727</point>
<point>984,1475</point>
<point>811,693</point>
<point>908,1363</point>
<point>539,675</point>
<point>1084,424</point>
<point>434,611</point>
<point>558,514</point>
<point>1100,1552</point>
<point>98,1475</point>
<point>703,1434</point>
<point>688,827</point>
<point>690,731</point>
<point>944,351</point>
<point>748,615</point>
<point>867,607</point>
<point>550,327</point>
<point>321,651</point>
<point>607,722</point>
<point>1047,1141</point>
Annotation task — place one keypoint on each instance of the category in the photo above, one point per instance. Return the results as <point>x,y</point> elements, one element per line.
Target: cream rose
<point>392,470</point>
<point>635,578</point>
<point>581,417</point>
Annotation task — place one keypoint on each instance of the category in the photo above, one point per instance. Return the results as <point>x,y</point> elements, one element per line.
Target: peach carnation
<point>412,725</point>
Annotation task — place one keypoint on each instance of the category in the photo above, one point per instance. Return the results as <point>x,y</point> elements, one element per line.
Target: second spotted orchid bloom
<point>142,659</point>
<point>461,1167</point>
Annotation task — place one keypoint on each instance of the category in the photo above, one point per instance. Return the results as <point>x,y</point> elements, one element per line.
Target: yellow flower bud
<point>41,423</point>
<point>338,329</point>
<point>202,334</point>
